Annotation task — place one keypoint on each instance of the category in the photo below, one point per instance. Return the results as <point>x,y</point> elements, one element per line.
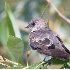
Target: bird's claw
<point>47,62</point>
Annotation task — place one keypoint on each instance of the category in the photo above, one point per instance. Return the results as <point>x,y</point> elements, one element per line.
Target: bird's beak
<point>27,27</point>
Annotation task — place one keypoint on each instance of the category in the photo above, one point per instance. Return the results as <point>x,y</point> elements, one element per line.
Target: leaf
<point>11,22</point>
<point>15,46</point>
<point>8,21</point>
<point>35,66</point>
<point>58,61</point>
<point>16,67</point>
<point>3,32</point>
<point>65,66</point>
<point>68,64</point>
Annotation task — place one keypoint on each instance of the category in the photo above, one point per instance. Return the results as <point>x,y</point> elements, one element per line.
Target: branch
<point>5,65</point>
<point>58,12</point>
<point>9,61</point>
<point>2,59</point>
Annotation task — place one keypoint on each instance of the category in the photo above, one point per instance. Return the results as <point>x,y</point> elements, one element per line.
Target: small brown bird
<point>45,40</point>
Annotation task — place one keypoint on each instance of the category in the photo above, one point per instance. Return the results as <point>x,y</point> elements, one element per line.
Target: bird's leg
<point>47,62</point>
<point>44,59</point>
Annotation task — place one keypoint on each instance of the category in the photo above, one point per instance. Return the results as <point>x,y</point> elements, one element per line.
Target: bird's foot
<point>47,62</point>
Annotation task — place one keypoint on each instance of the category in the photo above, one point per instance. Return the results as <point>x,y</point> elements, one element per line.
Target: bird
<point>45,40</point>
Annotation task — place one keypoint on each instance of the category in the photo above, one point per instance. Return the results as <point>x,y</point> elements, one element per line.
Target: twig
<point>27,55</point>
<point>9,61</point>
<point>6,60</point>
<point>40,64</point>
<point>5,65</point>
<point>44,11</point>
<point>1,62</point>
<point>58,12</point>
<point>1,59</point>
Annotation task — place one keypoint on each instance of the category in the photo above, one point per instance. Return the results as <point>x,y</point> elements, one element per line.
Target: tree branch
<point>58,12</point>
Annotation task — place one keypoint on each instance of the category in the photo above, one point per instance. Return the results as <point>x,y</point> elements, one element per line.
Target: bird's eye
<point>33,24</point>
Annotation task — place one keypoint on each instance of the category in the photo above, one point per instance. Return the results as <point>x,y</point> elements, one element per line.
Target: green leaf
<point>11,22</point>
<point>3,32</point>
<point>35,66</point>
<point>65,66</point>
<point>15,46</point>
<point>58,61</point>
<point>15,67</point>
<point>68,64</point>
<point>8,21</point>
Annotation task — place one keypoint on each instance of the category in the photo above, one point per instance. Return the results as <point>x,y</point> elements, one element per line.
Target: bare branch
<point>5,65</point>
<point>9,61</point>
<point>58,12</point>
<point>6,60</point>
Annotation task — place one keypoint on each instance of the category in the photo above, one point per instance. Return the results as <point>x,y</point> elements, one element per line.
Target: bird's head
<point>36,24</point>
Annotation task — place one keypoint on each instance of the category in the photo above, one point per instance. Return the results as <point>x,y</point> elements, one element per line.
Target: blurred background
<point>14,17</point>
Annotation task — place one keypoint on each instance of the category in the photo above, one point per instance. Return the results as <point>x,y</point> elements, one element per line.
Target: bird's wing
<point>58,37</point>
<point>47,43</point>
<point>40,38</point>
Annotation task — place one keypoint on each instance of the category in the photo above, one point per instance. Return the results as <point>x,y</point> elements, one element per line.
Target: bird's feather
<point>49,43</point>
<point>58,37</point>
